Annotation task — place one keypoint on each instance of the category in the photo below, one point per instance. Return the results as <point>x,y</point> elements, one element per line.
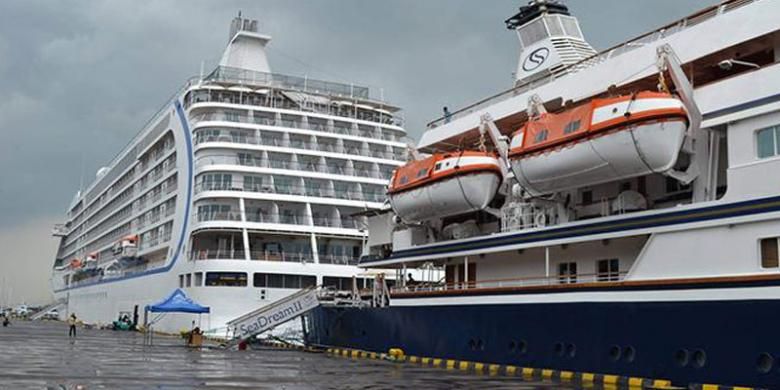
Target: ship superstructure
<point>240,190</point>
<point>635,230</point>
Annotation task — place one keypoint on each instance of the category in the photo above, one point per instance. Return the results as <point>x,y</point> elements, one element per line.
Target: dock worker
<point>447,114</point>
<point>72,324</point>
<point>6,321</point>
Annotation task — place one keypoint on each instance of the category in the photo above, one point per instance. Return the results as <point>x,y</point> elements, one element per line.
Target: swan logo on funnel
<point>536,59</point>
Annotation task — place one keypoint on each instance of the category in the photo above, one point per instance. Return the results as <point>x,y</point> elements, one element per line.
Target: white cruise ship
<point>242,189</point>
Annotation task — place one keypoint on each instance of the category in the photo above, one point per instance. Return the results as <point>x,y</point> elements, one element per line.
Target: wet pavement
<point>39,355</point>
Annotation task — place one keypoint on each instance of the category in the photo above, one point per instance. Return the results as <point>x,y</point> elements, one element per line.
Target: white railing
<point>569,279</point>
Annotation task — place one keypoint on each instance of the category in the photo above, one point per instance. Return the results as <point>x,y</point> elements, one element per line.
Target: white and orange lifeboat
<point>600,141</point>
<point>444,184</point>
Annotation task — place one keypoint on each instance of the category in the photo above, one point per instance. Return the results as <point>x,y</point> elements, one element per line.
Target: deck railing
<point>567,279</point>
<point>300,144</point>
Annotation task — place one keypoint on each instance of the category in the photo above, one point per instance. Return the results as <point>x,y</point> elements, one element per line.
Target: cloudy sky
<point>78,79</point>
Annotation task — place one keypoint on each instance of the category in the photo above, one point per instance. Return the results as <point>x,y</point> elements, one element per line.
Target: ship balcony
<point>299,123</point>
<point>287,185</point>
<point>279,213</point>
<point>265,98</point>
<point>278,256</point>
<point>277,161</point>
<point>264,246</point>
<point>307,143</point>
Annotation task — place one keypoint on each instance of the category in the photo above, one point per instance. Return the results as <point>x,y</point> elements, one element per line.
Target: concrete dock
<point>39,355</point>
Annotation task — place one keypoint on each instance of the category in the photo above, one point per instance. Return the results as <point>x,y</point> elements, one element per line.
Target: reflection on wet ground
<point>39,355</point>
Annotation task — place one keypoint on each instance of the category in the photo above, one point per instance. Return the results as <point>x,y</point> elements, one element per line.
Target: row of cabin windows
<point>607,270</point>
<point>240,279</point>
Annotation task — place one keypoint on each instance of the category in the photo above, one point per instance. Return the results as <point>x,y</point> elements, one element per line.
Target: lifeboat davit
<point>600,141</point>
<point>444,184</point>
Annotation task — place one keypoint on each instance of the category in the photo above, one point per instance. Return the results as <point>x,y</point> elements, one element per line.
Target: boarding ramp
<point>270,316</point>
<point>56,305</point>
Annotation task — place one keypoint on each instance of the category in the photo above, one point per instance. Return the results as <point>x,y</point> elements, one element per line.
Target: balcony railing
<point>337,259</point>
<point>300,144</point>
<point>238,254</point>
<point>292,189</point>
<point>261,216</point>
<point>289,165</point>
<point>240,117</point>
<point>514,283</point>
<point>217,216</point>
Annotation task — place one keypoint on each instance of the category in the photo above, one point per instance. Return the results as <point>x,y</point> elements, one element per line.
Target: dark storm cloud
<point>79,78</point>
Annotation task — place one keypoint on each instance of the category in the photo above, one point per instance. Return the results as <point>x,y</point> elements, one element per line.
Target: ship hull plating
<point>726,342</point>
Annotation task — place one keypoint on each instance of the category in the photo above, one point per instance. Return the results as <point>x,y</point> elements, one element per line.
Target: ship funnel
<point>550,40</point>
<point>246,47</point>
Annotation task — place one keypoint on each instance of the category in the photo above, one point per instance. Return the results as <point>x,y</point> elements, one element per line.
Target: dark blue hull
<point>721,342</point>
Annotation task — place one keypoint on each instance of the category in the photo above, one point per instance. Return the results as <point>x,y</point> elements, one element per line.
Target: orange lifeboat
<point>444,184</point>
<point>600,141</point>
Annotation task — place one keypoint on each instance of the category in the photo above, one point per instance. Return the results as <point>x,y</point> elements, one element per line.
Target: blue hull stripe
<point>186,130</point>
<point>722,211</point>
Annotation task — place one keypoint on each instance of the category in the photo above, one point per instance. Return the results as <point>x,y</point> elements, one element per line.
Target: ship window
<point>567,272</point>
<point>198,279</point>
<point>181,281</point>
<point>422,172</point>
<point>587,197</point>
<point>189,280</point>
<point>437,167</point>
<point>540,136</point>
<point>571,127</point>
<point>608,270</point>
<point>403,180</point>
<point>342,284</point>
<point>769,253</point>
<point>226,279</point>
<point>766,142</point>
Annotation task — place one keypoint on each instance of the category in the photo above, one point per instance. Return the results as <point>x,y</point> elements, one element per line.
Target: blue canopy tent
<point>177,302</point>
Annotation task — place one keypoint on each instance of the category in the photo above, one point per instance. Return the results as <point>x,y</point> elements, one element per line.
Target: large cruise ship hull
<point>726,340</point>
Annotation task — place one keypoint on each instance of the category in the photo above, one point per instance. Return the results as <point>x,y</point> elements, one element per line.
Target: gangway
<point>270,316</point>
<point>56,305</point>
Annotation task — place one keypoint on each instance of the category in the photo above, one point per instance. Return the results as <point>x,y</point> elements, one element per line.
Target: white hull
<point>457,195</point>
<point>640,150</point>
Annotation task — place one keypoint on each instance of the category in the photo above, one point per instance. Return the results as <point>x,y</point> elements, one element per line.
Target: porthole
<point>614,353</point>
<point>699,358</point>
<point>522,347</point>
<point>558,348</point>
<point>682,357</point>
<point>629,354</point>
<point>571,350</point>
<point>764,363</point>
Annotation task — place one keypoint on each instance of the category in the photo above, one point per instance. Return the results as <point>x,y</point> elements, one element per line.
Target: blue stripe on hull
<point>575,336</point>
